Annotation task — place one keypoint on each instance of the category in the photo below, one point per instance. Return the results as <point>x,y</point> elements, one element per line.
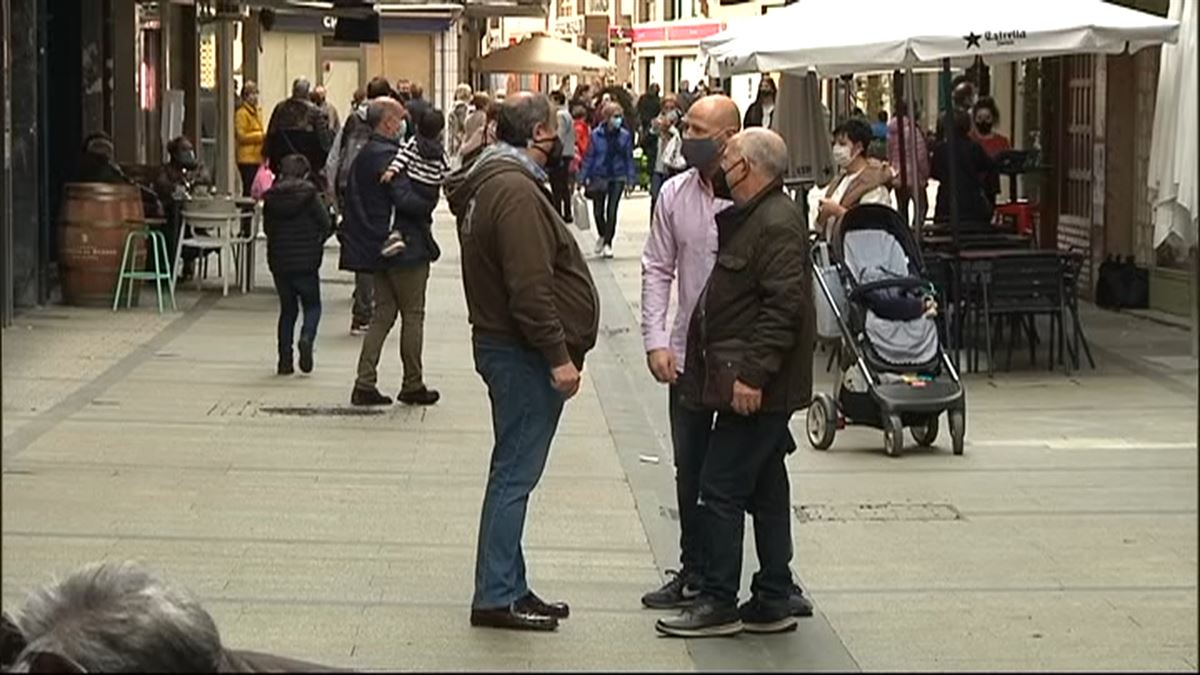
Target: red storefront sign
<point>688,32</point>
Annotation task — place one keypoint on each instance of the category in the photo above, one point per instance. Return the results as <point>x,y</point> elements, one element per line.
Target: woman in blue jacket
<point>607,168</point>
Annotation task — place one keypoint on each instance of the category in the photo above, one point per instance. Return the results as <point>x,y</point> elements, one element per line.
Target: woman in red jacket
<point>583,135</point>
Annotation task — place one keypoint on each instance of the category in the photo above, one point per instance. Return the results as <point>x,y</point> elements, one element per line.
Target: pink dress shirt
<point>682,244</point>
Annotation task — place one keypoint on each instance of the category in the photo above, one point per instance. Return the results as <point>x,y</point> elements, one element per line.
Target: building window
<point>597,6</point>
<point>647,11</point>
<point>673,74</point>
<point>566,8</point>
<point>673,9</point>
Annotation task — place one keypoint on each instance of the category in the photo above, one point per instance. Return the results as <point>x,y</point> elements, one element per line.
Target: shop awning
<point>815,34</point>
<point>543,54</point>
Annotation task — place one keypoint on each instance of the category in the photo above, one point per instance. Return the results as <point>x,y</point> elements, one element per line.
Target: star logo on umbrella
<point>972,39</point>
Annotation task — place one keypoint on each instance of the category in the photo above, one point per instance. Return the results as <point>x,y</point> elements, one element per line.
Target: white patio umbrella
<point>1172,170</point>
<point>543,54</point>
<point>816,34</point>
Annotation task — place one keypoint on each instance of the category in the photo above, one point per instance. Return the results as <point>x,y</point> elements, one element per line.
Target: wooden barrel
<point>93,224</point>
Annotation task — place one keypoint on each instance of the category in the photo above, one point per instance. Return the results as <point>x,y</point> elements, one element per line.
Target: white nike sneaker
<point>607,253</point>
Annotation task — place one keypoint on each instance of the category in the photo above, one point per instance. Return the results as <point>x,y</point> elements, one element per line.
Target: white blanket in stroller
<point>873,255</point>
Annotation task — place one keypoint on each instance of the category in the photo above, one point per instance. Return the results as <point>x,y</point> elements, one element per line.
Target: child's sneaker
<point>394,245</point>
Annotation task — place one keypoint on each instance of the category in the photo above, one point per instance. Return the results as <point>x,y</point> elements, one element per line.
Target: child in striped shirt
<point>423,159</point>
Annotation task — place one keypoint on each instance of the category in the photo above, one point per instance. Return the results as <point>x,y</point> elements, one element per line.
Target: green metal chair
<point>156,245</point>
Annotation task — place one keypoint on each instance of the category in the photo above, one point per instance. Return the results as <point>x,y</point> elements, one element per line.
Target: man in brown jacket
<point>749,357</point>
<point>534,313</point>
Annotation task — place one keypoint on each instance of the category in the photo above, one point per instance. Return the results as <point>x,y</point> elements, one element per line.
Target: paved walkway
<point>1064,538</point>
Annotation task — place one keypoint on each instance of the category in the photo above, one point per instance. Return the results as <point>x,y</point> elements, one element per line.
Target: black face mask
<point>720,182</point>
<point>554,154</point>
<point>984,127</point>
<point>700,153</point>
<point>186,159</point>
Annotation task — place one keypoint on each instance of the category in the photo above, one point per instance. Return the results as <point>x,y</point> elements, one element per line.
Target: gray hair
<point>301,87</point>
<point>764,150</point>
<point>520,113</point>
<point>379,109</point>
<point>118,617</point>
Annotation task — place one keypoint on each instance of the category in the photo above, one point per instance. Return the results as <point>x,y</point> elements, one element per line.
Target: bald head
<point>753,160</point>
<point>712,116</point>
<point>318,94</point>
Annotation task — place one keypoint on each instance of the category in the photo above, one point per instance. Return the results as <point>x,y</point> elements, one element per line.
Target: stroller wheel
<point>958,429</point>
<point>893,436</point>
<point>821,422</point>
<point>926,434</point>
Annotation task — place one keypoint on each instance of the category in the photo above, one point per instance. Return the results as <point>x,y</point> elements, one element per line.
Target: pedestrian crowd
<point>736,355</point>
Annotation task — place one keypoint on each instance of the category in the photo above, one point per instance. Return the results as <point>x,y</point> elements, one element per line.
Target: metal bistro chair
<point>211,225</point>
<point>1071,275</point>
<point>1022,288</point>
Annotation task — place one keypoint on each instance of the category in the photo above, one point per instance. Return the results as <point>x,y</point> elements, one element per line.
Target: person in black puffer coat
<point>297,224</point>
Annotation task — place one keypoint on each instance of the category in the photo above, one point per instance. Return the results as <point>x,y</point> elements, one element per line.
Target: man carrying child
<point>374,208</point>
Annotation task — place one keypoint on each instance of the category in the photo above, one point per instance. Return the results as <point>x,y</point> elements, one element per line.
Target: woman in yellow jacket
<point>250,135</point>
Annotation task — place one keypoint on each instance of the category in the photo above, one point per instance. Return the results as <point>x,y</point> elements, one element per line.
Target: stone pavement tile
<point>260,579</point>
<point>997,553</point>
<point>1012,630</point>
<point>587,579</point>
<point>321,633</point>
<point>51,352</point>
<point>438,638</point>
<point>1029,491</point>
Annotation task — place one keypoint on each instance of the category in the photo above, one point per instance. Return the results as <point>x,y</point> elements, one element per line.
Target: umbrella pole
<point>918,191</point>
<point>951,132</point>
<point>900,124</point>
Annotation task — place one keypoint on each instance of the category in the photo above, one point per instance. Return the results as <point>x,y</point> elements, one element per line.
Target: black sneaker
<point>422,396</point>
<point>680,591</point>
<point>798,602</point>
<point>368,397</point>
<point>285,366</point>
<point>704,619</point>
<point>759,616</point>
<point>359,328</point>
<point>306,355</point>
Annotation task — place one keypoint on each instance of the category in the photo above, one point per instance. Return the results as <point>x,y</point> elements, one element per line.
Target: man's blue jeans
<point>525,413</point>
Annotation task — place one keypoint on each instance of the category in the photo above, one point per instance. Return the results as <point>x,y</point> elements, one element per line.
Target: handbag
<point>263,180</point>
<point>597,188</point>
<point>580,212</point>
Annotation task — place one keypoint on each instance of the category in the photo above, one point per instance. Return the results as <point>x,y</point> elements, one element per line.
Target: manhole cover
<point>884,511</point>
<point>321,411</point>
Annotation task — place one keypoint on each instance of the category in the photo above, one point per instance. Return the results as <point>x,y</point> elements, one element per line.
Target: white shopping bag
<point>580,211</point>
<point>827,323</point>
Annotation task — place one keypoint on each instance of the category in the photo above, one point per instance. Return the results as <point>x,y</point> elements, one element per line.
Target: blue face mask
<point>616,122</point>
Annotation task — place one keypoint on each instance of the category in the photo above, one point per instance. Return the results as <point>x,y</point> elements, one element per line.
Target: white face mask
<point>842,155</point>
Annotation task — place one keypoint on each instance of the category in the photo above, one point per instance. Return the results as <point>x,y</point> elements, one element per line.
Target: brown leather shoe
<point>513,618</point>
<point>532,603</point>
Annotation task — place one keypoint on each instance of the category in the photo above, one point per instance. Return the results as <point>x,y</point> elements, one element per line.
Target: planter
<point>1171,291</point>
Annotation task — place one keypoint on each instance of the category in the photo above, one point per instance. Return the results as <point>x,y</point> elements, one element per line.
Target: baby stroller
<point>893,372</point>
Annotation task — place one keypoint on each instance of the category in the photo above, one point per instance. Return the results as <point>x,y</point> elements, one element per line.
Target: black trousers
<point>560,187</point>
<point>247,172</point>
<point>744,472</point>
<point>690,431</point>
